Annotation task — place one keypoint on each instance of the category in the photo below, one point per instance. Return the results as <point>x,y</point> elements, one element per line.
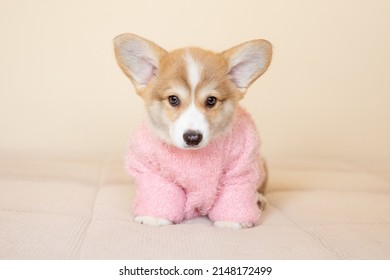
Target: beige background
<point>326,94</point>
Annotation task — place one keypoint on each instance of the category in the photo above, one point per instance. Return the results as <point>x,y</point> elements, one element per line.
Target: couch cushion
<point>73,209</point>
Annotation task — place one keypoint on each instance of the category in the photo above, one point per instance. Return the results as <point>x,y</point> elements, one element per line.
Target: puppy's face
<point>190,94</point>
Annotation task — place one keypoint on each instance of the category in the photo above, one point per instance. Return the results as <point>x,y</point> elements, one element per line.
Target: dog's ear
<point>138,58</point>
<point>247,62</point>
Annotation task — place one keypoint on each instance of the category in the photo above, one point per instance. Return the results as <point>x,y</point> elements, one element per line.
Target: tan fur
<point>172,73</point>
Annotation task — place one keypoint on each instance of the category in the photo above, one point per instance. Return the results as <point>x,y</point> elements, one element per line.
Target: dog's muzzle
<point>192,138</point>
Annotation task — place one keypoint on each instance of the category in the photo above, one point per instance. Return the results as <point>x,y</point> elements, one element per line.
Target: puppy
<point>198,153</point>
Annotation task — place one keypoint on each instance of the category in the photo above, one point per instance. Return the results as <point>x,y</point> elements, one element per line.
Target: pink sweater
<point>219,180</point>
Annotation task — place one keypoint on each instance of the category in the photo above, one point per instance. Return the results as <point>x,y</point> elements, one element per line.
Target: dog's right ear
<point>138,58</point>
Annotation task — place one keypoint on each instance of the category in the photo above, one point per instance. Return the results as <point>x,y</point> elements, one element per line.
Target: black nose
<point>192,137</point>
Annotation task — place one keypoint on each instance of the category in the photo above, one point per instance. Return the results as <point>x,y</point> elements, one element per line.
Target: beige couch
<point>69,209</point>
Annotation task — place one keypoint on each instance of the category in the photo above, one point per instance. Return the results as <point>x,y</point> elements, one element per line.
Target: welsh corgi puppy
<point>198,152</point>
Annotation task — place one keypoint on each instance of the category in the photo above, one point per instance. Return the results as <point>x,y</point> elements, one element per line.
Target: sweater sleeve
<point>156,195</point>
<point>237,200</point>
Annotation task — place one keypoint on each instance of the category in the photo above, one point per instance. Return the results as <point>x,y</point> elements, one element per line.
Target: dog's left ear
<point>247,62</point>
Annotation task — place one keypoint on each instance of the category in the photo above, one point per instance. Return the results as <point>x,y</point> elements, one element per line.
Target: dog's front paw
<point>152,221</point>
<point>232,225</point>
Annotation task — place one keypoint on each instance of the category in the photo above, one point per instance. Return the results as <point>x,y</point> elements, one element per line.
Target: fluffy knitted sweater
<point>219,180</point>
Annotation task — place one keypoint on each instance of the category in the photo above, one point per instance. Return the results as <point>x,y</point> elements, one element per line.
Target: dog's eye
<point>211,101</point>
<point>174,100</point>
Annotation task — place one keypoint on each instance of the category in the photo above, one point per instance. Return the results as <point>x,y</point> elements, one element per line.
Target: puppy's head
<point>191,93</point>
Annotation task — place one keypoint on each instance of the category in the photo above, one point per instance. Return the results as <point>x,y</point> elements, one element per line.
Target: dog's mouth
<point>190,140</point>
<point>188,137</point>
